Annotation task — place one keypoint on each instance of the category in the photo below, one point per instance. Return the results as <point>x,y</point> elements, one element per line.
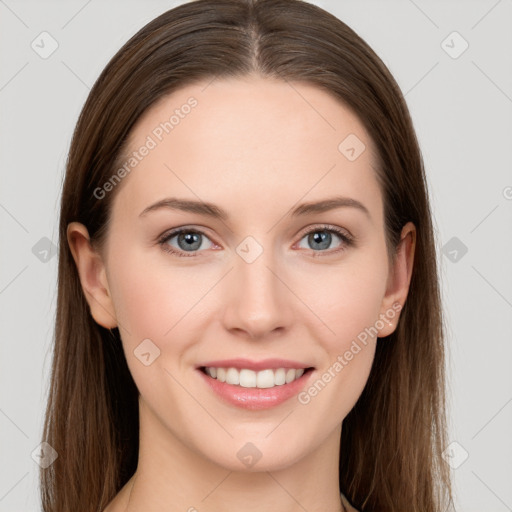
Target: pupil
<point>191,239</point>
<point>321,237</point>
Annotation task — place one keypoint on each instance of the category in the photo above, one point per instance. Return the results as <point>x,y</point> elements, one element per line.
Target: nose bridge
<point>259,301</point>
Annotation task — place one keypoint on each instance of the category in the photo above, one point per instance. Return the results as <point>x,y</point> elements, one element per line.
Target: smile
<point>255,390</point>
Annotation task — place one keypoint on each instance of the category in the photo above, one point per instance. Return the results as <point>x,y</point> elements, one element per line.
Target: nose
<point>258,302</point>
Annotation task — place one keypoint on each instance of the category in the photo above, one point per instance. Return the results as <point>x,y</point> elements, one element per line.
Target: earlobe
<point>92,274</point>
<point>399,280</point>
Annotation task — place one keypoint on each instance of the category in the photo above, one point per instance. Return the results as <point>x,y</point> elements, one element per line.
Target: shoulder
<point>120,501</point>
<point>347,505</point>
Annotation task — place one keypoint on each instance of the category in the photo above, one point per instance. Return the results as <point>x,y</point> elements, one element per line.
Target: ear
<point>93,278</point>
<point>399,280</point>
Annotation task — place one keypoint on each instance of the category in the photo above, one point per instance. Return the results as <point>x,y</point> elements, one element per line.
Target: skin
<point>256,147</point>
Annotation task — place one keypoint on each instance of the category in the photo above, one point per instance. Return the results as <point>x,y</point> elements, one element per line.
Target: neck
<point>171,476</point>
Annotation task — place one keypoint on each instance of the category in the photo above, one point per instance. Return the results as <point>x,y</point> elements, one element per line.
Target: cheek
<point>157,301</point>
<point>349,307</point>
<point>151,298</point>
<point>153,302</point>
<point>347,299</point>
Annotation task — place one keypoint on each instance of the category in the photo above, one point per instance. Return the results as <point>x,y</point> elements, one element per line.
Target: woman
<point>248,310</point>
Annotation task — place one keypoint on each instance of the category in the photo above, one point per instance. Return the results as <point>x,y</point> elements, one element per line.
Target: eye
<point>187,240</point>
<point>320,238</point>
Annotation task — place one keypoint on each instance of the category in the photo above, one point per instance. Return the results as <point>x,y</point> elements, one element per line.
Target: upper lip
<point>264,364</point>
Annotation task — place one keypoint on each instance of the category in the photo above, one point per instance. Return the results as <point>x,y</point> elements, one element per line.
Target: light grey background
<point>462,110</point>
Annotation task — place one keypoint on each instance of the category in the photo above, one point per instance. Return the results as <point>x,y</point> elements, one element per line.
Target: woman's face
<point>250,282</point>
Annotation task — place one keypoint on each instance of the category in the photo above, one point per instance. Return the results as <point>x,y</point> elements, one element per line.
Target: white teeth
<point>290,375</point>
<point>251,379</point>
<point>232,376</point>
<point>247,379</point>
<point>280,377</point>
<point>263,379</point>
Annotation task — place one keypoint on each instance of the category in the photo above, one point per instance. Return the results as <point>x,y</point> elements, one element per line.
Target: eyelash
<point>348,240</point>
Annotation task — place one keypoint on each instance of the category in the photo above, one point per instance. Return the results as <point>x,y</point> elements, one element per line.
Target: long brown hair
<point>392,440</point>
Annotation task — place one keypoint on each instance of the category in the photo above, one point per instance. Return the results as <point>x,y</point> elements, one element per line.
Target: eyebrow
<point>212,210</point>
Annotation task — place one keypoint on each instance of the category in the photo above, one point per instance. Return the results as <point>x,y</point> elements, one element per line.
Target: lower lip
<point>256,398</point>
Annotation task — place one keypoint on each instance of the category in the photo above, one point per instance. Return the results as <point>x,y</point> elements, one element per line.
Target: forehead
<point>253,138</point>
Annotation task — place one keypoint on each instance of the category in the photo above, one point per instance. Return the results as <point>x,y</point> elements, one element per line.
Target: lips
<point>259,391</point>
